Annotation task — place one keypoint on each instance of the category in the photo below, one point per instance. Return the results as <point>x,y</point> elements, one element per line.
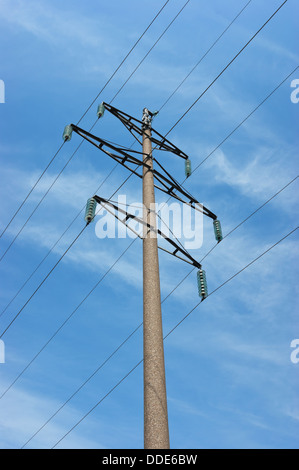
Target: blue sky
<point>230,380</point>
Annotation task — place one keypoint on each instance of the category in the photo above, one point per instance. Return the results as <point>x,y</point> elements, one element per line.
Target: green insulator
<point>67,133</point>
<point>202,284</point>
<point>217,230</point>
<point>187,168</point>
<point>100,110</point>
<point>90,210</point>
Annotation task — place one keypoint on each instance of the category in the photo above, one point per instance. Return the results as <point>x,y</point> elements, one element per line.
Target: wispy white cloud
<point>277,49</point>
<point>22,414</point>
<point>258,177</point>
<point>48,23</point>
<point>82,37</point>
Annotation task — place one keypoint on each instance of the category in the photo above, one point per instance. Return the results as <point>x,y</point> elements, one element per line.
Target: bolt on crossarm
<point>156,432</point>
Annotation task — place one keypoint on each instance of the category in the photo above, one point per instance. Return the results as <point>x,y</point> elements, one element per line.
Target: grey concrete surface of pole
<point>156,432</point>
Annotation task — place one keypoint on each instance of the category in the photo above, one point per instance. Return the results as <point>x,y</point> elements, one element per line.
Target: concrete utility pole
<point>156,433</point>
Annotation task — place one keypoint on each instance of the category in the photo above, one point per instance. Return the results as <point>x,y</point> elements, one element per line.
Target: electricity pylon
<point>156,433</point>
<point>156,430</point>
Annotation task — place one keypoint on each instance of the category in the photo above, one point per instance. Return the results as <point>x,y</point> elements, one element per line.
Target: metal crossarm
<point>127,216</point>
<point>102,143</point>
<point>168,184</point>
<point>130,123</point>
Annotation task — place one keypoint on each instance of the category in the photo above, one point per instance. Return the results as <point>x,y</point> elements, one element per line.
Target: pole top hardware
<point>147,118</point>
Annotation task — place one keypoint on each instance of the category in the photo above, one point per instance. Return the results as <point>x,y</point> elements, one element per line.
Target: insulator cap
<point>67,133</point>
<point>202,284</point>
<point>217,230</point>
<point>90,210</point>
<point>100,110</point>
<point>187,168</point>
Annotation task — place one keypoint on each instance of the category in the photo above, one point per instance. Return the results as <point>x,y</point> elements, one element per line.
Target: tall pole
<point>156,433</point>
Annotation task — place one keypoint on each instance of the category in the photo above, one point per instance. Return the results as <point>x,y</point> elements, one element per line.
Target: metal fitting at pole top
<point>147,118</point>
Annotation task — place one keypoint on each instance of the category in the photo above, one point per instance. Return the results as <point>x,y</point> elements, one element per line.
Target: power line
<point>229,135</point>
<point>224,140</point>
<point>21,229</point>
<point>123,61</point>
<point>78,149</point>
<point>245,119</point>
<point>235,129</point>
<point>229,233</point>
<point>252,112</point>
<point>83,115</point>
<point>260,208</point>
<point>171,127</point>
<point>50,250</point>
<point>55,180</point>
<point>263,205</point>
<point>240,124</point>
<point>53,269</point>
<point>138,327</point>
<point>232,277</point>
<point>200,60</point>
<point>171,331</point>
<point>39,203</point>
<point>273,91</point>
<point>31,190</point>
<point>97,404</point>
<point>43,281</point>
<point>235,228</point>
<point>84,383</point>
<point>160,37</point>
<point>187,2</point>
<point>226,67</point>
<point>55,265</point>
<point>204,55</point>
<point>67,319</point>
